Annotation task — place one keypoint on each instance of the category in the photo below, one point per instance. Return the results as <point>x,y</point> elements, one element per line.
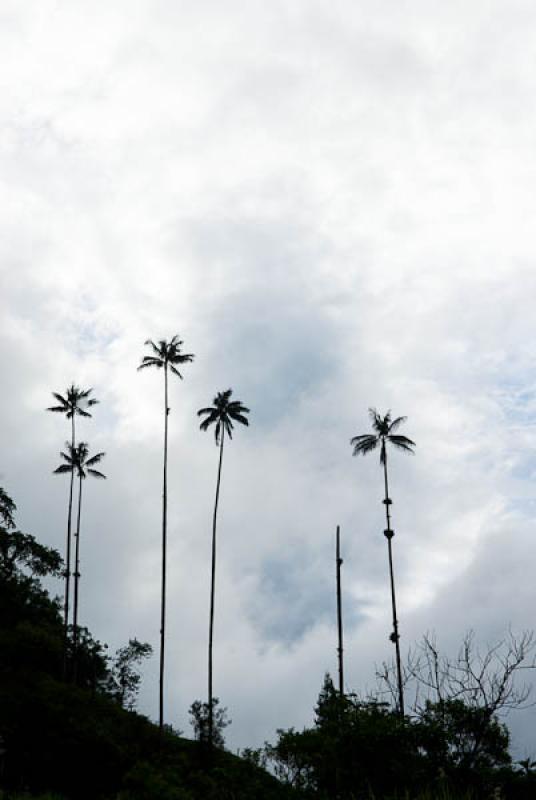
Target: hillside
<point>73,737</point>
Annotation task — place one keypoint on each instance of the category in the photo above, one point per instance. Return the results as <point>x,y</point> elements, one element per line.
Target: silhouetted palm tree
<point>75,403</point>
<point>384,428</point>
<point>77,460</point>
<point>222,414</point>
<point>165,355</point>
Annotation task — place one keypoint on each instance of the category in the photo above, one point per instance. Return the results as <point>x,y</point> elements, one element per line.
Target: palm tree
<point>164,355</point>
<point>75,403</point>
<point>384,428</point>
<point>221,414</point>
<point>77,460</point>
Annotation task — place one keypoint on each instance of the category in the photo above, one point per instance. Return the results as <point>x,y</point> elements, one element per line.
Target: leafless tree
<point>482,677</point>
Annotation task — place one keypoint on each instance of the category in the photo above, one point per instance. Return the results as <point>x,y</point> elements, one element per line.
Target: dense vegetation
<point>80,739</point>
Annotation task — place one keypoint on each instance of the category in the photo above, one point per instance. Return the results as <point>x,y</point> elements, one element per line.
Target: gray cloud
<point>334,208</point>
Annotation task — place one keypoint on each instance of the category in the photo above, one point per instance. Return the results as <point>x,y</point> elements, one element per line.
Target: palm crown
<point>166,354</point>
<point>75,402</point>
<point>384,428</point>
<point>223,413</point>
<point>76,459</point>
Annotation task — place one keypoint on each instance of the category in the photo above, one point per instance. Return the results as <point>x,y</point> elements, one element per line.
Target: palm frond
<point>153,347</point>
<point>94,459</point>
<point>364,444</point>
<point>150,361</point>
<point>224,411</point>
<point>208,410</point>
<point>396,423</point>
<point>375,417</point>
<point>74,402</point>
<point>402,442</point>
<point>236,405</point>
<point>64,468</point>
<point>175,371</point>
<point>209,420</point>
<point>379,423</point>
<point>180,358</point>
<point>364,437</point>
<point>239,417</point>
<point>96,473</point>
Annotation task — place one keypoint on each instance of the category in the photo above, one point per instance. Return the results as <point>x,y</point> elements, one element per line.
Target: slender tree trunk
<point>76,580</point>
<point>212,592</point>
<point>164,555</point>
<point>68,561</point>
<point>339,613</point>
<point>395,636</point>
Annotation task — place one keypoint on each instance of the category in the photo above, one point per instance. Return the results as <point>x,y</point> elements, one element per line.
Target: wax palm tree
<point>75,402</point>
<point>165,355</point>
<point>77,460</point>
<point>384,432</point>
<point>222,414</point>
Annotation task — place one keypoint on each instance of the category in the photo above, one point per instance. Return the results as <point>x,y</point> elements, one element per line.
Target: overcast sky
<point>333,204</point>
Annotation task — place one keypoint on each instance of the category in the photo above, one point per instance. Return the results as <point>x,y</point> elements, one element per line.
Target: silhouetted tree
<point>222,414</point>
<point>75,403</point>
<point>21,554</point>
<point>78,460</point>
<point>164,355</point>
<point>384,432</point>
<point>209,722</point>
<point>124,671</point>
<point>355,750</point>
<point>7,509</point>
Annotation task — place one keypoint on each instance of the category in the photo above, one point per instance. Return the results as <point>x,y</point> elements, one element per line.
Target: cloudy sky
<point>333,204</point>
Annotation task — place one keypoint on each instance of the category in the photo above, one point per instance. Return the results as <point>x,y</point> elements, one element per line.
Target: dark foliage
<point>361,749</point>
<point>355,748</point>
<point>200,719</point>
<point>76,741</point>
<point>126,679</point>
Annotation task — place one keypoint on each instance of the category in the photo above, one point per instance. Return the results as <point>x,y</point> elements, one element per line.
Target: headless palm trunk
<point>339,613</point>
<point>212,595</point>
<point>395,637</point>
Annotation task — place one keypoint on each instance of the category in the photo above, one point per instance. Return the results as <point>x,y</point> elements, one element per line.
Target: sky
<point>333,205</point>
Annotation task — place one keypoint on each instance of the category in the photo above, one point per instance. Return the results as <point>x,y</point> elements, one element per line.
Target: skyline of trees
<point>167,356</point>
<point>454,732</point>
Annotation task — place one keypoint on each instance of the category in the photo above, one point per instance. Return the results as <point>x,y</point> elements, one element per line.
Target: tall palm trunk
<point>338,560</point>
<point>76,579</point>
<point>395,636</point>
<point>164,555</point>
<point>68,560</point>
<point>212,592</point>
